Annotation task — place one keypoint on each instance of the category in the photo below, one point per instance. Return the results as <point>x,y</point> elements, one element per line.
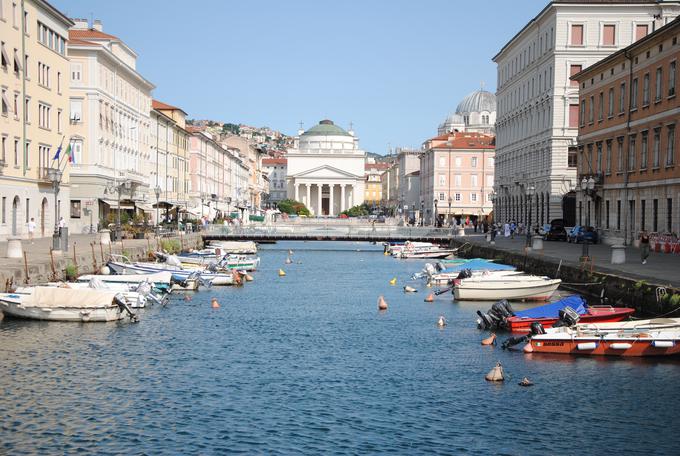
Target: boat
<point>446,278</point>
<point>655,337</point>
<point>511,288</point>
<point>178,272</point>
<point>158,278</point>
<point>502,316</point>
<point>429,253</point>
<point>397,248</point>
<point>65,304</point>
<point>237,247</point>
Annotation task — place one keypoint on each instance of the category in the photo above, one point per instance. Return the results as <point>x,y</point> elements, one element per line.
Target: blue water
<point>306,364</point>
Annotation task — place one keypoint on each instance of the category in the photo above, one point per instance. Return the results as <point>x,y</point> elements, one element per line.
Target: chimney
<point>97,25</point>
<point>79,24</point>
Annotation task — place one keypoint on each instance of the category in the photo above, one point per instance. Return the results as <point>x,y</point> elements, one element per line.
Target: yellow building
<point>373,192</point>
<point>33,71</point>
<point>169,157</point>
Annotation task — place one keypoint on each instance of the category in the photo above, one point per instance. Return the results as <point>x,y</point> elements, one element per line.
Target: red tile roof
<point>274,161</point>
<point>155,104</point>
<point>463,141</point>
<point>194,129</point>
<point>77,42</point>
<point>90,34</point>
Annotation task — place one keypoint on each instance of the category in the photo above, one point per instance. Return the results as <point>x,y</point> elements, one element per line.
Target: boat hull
<point>635,347</point>
<point>74,314</point>
<point>516,324</point>
<point>497,290</point>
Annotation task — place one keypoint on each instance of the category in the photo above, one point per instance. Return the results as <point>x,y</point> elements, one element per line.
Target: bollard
<point>105,237</point>
<point>618,254</point>
<point>461,231</point>
<point>14,248</point>
<point>54,270</point>
<point>27,279</point>
<point>537,242</point>
<point>94,258</point>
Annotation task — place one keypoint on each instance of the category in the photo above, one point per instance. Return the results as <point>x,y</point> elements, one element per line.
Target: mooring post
<point>54,271</point>
<point>75,259</point>
<point>94,259</point>
<point>101,251</point>
<point>27,279</point>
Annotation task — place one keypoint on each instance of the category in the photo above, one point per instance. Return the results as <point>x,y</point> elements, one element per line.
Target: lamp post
<point>530,193</point>
<point>588,189</point>
<point>450,214</point>
<point>157,191</point>
<point>422,212</point>
<point>494,203</point>
<point>434,215</point>
<point>54,176</point>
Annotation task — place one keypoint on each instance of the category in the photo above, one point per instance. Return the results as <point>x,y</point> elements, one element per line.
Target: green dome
<point>326,128</point>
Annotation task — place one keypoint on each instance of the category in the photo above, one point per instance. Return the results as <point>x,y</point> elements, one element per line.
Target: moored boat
<point>510,288</point>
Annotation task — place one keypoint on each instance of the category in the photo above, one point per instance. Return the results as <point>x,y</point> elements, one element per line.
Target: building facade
<point>33,121</point>
<point>276,170</point>
<point>475,113</point>
<point>254,192</point>
<point>538,103</point>
<point>109,125</point>
<point>407,190</point>
<point>373,171</point>
<point>326,169</point>
<point>457,177</point>
<point>628,171</point>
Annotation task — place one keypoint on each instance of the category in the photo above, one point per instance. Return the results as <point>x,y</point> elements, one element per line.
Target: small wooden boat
<point>65,304</point>
<point>509,287</point>
<point>656,337</point>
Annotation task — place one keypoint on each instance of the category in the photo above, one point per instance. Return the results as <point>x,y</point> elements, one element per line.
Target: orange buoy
<point>491,340</point>
<point>249,278</point>
<point>214,304</point>
<point>430,298</point>
<point>237,277</point>
<point>382,304</point>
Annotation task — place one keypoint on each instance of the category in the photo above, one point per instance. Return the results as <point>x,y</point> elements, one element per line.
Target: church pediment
<point>326,172</point>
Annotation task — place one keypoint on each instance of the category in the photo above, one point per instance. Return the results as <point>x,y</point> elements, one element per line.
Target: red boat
<point>593,314</point>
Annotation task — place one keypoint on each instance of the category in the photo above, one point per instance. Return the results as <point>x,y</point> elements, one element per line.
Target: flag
<point>56,156</point>
<point>69,153</point>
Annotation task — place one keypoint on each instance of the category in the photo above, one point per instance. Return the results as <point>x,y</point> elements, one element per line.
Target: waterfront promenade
<point>661,268</point>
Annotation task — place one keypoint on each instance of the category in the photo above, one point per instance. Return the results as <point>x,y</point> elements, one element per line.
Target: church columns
<point>308,201</point>
<point>318,200</point>
<point>331,208</point>
<point>342,197</point>
<point>297,192</point>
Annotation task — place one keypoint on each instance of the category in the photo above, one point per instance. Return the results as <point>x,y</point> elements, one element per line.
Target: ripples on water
<point>306,364</point>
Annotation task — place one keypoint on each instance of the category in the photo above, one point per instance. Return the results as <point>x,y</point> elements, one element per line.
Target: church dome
<point>477,101</point>
<point>326,128</point>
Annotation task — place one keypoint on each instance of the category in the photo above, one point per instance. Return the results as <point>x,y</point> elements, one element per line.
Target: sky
<point>394,69</point>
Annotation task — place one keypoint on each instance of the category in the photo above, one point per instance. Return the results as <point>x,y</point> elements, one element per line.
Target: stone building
<point>628,173</point>
<point>475,113</point>
<point>538,107</point>
<point>326,169</point>
<point>275,169</point>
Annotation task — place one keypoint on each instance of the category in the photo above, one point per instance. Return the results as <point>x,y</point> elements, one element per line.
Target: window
<point>610,112</point>
<point>442,162</point>
<point>574,69</point>
<point>645,90</point>
<point>458,180</point>
<point>670,146</point>
<point>641,31</point>
<point>457,197</point>
<point>59,124</point>
<point>3,157</point>
<point>76,72</point>
<point>608,158</point>
<point>442,197</point>
<point>458,162</point>
<point>643,151</point>
<point>599,157</point>
<point>583,113</point>
<point>442,179</point>
<point>619,155</point>
<point>76,111</point>
<point>4,58</point>
<point>4,209</point>
<point>27,110</point>
<point>44,75</point>
<point>44,116</point>
<point>634,94</point>
<point>572,158</point>
<point>609,35</point>
<point>573,116</point>
<point>473,162</point>
<point>657,147</point>
<point>577,34</point>
<point>16,152</point>
<point>622,98</point>
<point>473,197</point>
<point>17,62</point>
<point>591,111</point>
<point>600,107</point>
<point>5,102</point>
<point>659,84</point>
<point>75,208</point>
<point>631,152</point>
<point>473,180</point>
<point>618,214</point>
<point>671,79</point>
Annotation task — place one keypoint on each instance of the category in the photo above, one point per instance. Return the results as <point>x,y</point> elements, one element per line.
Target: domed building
<point>475,113</point>
<point>326,169</point>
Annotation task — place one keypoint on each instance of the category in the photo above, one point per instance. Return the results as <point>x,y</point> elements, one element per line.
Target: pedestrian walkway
<point>661,268</point>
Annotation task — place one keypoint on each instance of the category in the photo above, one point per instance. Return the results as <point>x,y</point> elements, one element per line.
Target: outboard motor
<point>484,321</point>
<point>212,267</point>
<point>120,300</point>
<point>537,328</point>
<point>464,274</point>
<point>172,260</point>
<point>512,341</point>
<point>568,317</point>
<point>501,308</point>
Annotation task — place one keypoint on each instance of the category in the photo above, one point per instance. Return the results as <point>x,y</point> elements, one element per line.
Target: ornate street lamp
<point>435,215</point>
<point>54,176</point>
<point>588,189</point>
<point>157,191</point>
<point>450,214</point>
<point>530,191</point>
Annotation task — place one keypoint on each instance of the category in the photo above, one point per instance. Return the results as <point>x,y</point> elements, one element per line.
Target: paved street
<point>661,268</point>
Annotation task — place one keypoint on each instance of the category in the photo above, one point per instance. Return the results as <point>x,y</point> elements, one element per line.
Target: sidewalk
<point>661,268</point>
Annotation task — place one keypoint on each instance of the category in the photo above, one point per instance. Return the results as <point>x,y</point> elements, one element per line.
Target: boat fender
<point>408,289</point>
<point>526,382</point>
<point>586,346</point>
<point>620,346</point>
<point>430,298</point>
<point>85,316</point>
<point>441,322</point>
<point>214,304</point>
<point>537,328</point>
<point>496,374</point>
<point>491,340</point>
<point>663,343</point>
<point>512,341</point>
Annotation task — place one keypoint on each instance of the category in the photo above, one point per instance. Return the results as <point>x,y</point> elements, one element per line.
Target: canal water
<point>305,364</point>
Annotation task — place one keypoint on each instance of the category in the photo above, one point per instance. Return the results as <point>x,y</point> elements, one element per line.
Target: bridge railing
<point>378,231</point>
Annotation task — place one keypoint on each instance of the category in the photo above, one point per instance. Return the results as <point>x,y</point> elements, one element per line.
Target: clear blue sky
<point>394,68</point>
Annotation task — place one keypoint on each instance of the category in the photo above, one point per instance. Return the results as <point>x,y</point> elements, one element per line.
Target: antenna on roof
<point>481,85</point>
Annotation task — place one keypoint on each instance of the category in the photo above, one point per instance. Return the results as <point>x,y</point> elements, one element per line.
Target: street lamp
<point>530,193</point>
<point>588,188</point>
<point>157,191</point>
<point>434,218</point>
<point>422,212</point>
<point>450,215</point>
<point>54,176</point>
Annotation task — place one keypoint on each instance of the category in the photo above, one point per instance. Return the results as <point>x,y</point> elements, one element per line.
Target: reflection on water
<point>306,364</point>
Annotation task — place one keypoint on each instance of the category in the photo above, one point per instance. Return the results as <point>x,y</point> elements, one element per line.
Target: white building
<point>475,113</point>
<point>275,170</point>
<point>326,169</point>
<point>110,107</point>
<point>537,119</point>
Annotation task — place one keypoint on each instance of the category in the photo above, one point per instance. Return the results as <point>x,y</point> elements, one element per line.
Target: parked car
<point>582,234</point>
<point>556,231</point>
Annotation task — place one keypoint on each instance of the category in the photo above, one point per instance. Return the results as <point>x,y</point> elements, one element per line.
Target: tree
<point>357,211</point>
<point>290,206</point>
<point>231,128</point>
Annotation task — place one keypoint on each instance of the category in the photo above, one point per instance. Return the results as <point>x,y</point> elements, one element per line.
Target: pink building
<point>456,177</point>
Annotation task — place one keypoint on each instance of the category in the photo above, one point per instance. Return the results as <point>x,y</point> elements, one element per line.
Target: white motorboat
<point>238,247</point>
<point>517,287</point>
<point>396,249</point>
<point>163,278</point>
<point>65,304</point>
<point>447,278</point>
<point>427,253</point>
<point>121,265</point>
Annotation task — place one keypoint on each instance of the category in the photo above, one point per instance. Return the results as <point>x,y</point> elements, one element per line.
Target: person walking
<point>644,246</point>
<point>31,229</point>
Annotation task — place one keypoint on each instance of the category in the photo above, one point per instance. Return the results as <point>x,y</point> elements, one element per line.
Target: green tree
<point>357,211</point>
<point>231,128</point>
<point>290,206</point>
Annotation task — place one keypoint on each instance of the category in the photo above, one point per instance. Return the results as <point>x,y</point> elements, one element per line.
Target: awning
<point>113,204</point>
<point>146,207</point>
<point>162,204</point>
<point>207,210</point>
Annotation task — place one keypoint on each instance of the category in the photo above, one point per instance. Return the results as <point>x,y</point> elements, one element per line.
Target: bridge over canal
<point>328,232</point>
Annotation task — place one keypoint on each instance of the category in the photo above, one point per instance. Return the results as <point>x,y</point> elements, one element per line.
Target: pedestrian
<point>62,222</point>
<point>513,228</point>
<point>506,229</point>
<point>474,224</point>
<point>31,229</point>
<point>644,246</point>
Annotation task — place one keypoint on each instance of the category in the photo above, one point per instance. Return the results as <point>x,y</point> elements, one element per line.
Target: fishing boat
<point>502,316</point>
<point>656,337</point>
<point>521,287</point>
<point>65,304</point>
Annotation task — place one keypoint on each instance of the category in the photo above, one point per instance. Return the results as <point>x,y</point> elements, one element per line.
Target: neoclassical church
<point>326,169</point>
<point>475,113</point>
